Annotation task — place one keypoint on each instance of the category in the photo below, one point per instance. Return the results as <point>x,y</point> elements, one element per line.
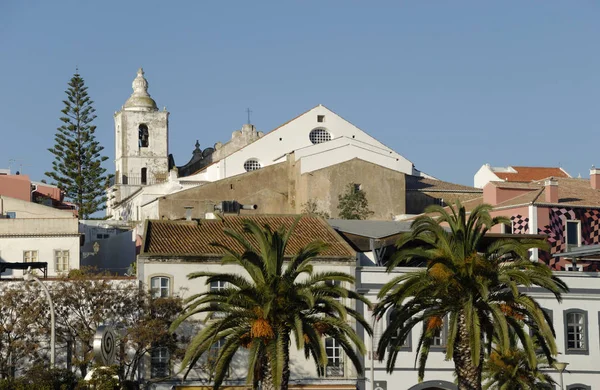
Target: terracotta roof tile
<point>418,183</point>
<point>571,192</point>
<point>525,174</point>
<point>190,238</point>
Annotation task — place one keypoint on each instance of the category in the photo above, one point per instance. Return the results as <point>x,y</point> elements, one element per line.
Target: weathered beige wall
<point>385,188</point>
<point>280,189</point>
<point>267,188</point>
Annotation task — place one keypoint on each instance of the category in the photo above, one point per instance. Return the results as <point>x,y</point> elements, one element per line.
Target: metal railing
<point>138,180</point>
<point>334,371</point>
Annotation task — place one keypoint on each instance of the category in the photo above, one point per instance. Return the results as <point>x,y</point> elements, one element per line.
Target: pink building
<point>21,187</point>
<point>566,210</point>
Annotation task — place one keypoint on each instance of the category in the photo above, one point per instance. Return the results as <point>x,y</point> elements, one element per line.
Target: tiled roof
<point>516,185</point>
<point>418,183</point>
<point>469,205</point>
<point>192,238</point>
<point>526,174</point>
<point>571,192</point>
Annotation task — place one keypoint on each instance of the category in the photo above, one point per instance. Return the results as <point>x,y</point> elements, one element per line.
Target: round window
<point>252,165</point>
<point>319,135</point>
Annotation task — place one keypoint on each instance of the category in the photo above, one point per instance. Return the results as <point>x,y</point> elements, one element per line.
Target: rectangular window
<point>214,287</point>
<point>335,363</point>
<point>573,234</point>
<point>11,214</point>
<point>440,337</point>
<point>159,363</point>
<point>160,286</point>
<point>61,261</point>
<point>320,118</point>
<point>217,286</point>
<point>571,267</point>
<point>576,332</point>
<point>507,228</point>
<point>406,345</point>
<point>30,256</point>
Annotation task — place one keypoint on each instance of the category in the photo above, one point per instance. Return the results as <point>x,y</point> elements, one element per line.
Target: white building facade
<point>37,233</point>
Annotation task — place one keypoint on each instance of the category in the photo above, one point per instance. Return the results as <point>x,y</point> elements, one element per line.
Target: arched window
<point>579,386</point>
<point>319,135</point>
<point>576,332</point>
<point>252,164</point>
<point>143,136</point>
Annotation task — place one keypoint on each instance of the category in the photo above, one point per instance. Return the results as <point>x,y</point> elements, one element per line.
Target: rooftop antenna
<point>248,111</point>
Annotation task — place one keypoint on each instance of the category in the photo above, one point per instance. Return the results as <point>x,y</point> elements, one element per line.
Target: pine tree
<point>77,167</point>
<point>353,203</point>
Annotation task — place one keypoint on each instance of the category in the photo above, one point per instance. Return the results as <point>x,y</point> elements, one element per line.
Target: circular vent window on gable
<point>252,164</point>
<point>319,135</point>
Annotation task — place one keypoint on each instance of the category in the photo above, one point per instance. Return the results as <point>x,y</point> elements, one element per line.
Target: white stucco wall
<point>178,271</point>
<point>483,176</point>
<point>11,251</point>
<point>583,369</point>
<point>294,135</point>
<point>29,210</point>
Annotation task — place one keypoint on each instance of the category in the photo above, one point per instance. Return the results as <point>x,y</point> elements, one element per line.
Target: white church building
<point>144,170</point>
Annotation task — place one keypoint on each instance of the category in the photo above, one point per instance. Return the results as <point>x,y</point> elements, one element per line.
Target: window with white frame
<point>334,283</point>
<point>214,287</point>
<point>30,256</point>
<point>576,329</point>
<point>159,362</point>
<point>319,135</point>
<point>571,267</point>
<point>252,164</point>
<point>217,285</point>
<point>573,234</point>
<point>335,361</point>
<point>440,336</point>
<point>61,260</point>
<point>160,286</point>
<point>214,350</point>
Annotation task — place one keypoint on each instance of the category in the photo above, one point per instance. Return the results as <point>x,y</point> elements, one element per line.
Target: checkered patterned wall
<point>590,234</point>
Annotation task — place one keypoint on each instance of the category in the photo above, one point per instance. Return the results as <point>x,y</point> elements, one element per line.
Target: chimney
<point>551,190</point>
<point>188,212</point>
<point>595,178</point>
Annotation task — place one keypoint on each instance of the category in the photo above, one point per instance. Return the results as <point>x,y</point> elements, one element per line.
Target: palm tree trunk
<point>267,377</point>
<point>285,379</point>
<point>467,372</point>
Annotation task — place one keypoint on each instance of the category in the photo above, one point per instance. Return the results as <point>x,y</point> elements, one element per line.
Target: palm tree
<point>472,289</point>
<point>511,370</point>
<point>275,299</point>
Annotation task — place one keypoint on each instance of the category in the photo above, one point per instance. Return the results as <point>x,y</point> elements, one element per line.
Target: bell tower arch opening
<point>143,135</point>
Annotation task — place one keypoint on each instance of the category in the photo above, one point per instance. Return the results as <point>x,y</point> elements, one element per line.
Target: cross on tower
<point>248,111</point>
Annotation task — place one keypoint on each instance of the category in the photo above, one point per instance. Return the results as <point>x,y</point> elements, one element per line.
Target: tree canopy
<point>77,167</point>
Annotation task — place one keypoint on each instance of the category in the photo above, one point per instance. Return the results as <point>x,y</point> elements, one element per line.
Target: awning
<point>590,252</point>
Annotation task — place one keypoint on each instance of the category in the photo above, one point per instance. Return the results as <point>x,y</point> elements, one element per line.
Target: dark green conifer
<point>77,168</point>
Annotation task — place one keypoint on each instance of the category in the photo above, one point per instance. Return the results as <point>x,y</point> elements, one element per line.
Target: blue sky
<point>449,85</point>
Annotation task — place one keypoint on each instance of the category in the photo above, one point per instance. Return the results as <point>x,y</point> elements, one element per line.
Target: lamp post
<point>28,277</point>
<point>560,366</point>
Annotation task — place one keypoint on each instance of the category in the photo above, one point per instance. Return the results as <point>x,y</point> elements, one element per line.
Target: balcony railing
<point>335,371</point>
<point>138,180</point>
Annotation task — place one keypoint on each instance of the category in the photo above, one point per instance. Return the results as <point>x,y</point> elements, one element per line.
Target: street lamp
<point>28,277</point>
<point>560,366</point>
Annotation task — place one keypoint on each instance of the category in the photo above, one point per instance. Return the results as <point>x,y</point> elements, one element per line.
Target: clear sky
<point>450,85</point>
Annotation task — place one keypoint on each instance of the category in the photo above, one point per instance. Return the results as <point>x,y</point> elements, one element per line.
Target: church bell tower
<point>141,139</point>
